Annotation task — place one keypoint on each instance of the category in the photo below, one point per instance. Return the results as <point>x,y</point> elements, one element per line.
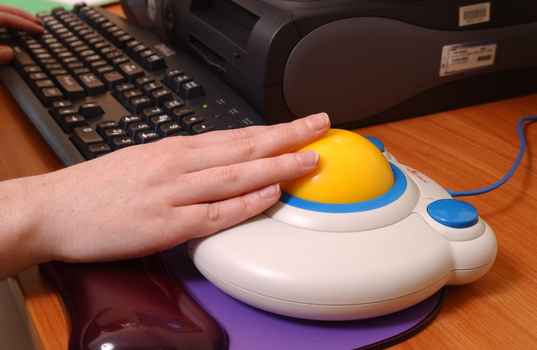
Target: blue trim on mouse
<point>397,190</point>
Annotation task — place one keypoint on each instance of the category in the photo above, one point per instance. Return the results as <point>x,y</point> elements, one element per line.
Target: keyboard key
<point>149,113</point>
<point>41,84</point>
<point>117,61</point>
<point>140,82</point>
<point>78,46</point>
<point>129,119</point>
<point>100,71</point>
<point>97,149</point>
<point>178,81</point>
<point>81,70</point>
<point>21,58</point>
<point>55,106</point>
<point>61,56</point>
<point>60,71</point>
<point>157,121</point>
<point>169,130</point>
<point>92,58</point>
<point>121,142</point>
<point>159,97</point>
<point>138,104</point>
<point>49,95</point>
<point>135,128</point>
<point>37,76</point>
<point>33,68</point>
<point>130,94</point>
<point>101,45</point>
<point>98,21</point>
<point>111,134</point>
<point>82,137</point>
<point>61,113</point>
<point>191,90</point>
<point>92,85</point>
<point>94,65</point>
<point>148,88</point>
<point>129,45</point>
<point>124,39</point>
<point>179,113</point>
<point>51,66</point>
<point>104,125</point>
<point>120,89</point>
<point>169,106</point>
<point>154,62</point>
<point>169,75</point>
<point>69,86</point>
<point>71,122</point>
<point>68,60</point>
<point>112,55</point>
<point>131,71</point>
<point>74,65</point>
<point>90,109</point>
<point>137,51</point>
<point>115,38</point>
<point>188,122</point>
<point>146,137</point>
<point>104,51</point>
<point>112,79</point>
<point>202,128</point>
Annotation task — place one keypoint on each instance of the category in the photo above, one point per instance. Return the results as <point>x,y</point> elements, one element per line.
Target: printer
<point>362,61</point>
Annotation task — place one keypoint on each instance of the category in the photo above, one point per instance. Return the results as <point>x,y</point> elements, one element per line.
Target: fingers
<point>248,145</point>
<point>220,136</point>
<point>20,13</point>
<point>6,54</point>
<point>213,217</point>
<point>220,183</point>
<point>18,19</point>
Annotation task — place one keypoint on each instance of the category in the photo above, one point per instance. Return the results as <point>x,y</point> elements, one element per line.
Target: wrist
<point>20,216</point>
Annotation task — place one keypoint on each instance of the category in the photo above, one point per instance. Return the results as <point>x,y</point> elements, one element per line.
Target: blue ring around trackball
<point>379,144</point>
<point>397,190</point>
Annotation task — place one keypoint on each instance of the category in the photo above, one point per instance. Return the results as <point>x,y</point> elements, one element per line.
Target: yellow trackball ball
<point>351,169</point>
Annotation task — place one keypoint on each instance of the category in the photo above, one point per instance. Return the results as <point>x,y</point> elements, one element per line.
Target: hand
<point>148,198</point>
<point>14,18</point>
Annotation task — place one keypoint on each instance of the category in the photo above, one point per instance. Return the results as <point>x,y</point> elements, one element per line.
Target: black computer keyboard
<point>95,83</point>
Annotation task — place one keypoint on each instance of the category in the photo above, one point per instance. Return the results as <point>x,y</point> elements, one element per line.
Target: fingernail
<point>307,158</point>
<point>270,191</point>
<point>317,121</point>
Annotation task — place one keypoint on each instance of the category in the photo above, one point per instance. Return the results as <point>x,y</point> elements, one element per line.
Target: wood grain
<point>463,149</point>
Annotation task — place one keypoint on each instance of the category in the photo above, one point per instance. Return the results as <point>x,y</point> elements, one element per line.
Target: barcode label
<point>474,14</point>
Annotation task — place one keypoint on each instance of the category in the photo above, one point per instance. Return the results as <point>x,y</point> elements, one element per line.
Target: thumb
<point>6,54</point>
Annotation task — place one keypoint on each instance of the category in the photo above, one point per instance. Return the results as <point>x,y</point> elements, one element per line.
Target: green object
<point>36,6</point>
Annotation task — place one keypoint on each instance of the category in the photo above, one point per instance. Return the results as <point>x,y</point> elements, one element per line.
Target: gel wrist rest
<point>131,305</point>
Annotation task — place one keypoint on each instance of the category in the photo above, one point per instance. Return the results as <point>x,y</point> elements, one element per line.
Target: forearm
<point>19,246</point>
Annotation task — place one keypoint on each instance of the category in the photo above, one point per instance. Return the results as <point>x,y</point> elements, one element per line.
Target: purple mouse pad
<point>251,328</point>
<point>163,302</point>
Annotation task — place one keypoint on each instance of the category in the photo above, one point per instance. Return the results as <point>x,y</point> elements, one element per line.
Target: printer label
<point>459,58</point>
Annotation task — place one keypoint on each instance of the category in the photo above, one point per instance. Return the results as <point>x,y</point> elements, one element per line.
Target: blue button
<point>453,213</point>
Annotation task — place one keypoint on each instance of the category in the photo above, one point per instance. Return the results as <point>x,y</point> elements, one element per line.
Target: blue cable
<point>513,168</point>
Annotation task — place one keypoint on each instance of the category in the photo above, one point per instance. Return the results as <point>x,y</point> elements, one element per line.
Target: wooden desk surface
<point>462,149</point>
